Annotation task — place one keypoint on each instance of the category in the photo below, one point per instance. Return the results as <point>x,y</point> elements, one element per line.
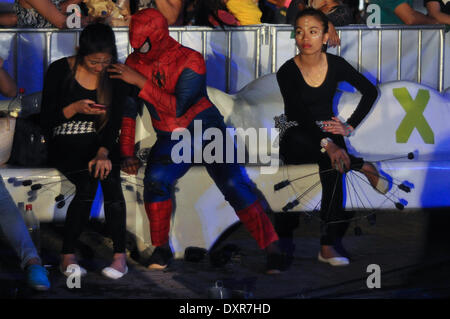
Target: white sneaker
<point>334,261</point>
<point>114,273</point>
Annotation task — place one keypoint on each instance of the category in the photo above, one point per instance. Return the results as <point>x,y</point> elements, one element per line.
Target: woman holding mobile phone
<point>81,113</point>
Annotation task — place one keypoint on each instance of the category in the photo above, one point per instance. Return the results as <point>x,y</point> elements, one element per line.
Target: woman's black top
<point>306,104</point>
<point>78,136</point>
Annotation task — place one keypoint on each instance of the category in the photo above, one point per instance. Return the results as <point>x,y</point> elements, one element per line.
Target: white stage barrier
<point>237,56</point>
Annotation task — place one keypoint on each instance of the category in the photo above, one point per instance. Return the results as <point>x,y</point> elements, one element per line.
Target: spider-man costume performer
<point>175,95</point>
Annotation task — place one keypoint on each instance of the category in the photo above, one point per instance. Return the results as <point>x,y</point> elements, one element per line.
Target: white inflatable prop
<point>408,117</point>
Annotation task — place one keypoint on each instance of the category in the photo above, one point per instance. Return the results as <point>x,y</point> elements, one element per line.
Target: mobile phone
<point>98,106</point>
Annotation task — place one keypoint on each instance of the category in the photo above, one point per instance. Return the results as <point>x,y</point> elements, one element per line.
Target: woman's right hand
<point>338,157</point>
<point>83,107</point>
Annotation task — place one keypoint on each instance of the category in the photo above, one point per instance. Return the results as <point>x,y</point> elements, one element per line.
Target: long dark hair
<point>311,12</point>
<point>97,38</point>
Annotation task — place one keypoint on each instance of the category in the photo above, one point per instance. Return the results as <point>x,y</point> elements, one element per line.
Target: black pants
<point>79,209</point>
<point>299,147</point>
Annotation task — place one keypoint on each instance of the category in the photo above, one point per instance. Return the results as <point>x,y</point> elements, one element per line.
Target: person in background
<point>16,233</point>
<point>356,13</point>
<point>336,11</point>
<point>295,7</point>
<point>246,12</point>
<point>81,110</point>
<point>214,13</point>
<point>172,10</point>
<point>401,12</point>
<point>12,224</point>
<point>44,13</point>
<point>171,80</point>
<point>273,11</point>
<point>438,9</point>
<point>189,12</point>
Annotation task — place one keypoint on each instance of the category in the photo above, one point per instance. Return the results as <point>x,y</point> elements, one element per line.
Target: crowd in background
<point>221,13</point>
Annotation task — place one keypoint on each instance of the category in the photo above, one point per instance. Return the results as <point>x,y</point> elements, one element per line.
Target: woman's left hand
<point>103,165</point>
<point>335,126</point>
<point>126,74</point>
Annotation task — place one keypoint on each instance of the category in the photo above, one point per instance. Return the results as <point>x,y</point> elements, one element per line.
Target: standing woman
<point>308,83</point>
<point>81,114</point>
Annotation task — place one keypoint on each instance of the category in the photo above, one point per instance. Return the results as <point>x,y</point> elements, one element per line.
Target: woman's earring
<point>324,47</point>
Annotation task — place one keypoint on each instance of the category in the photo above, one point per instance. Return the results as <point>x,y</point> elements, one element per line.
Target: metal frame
<point>267,34</point>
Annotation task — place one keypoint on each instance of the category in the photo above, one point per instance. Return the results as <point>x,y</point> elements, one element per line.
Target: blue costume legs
<point>231,178</point>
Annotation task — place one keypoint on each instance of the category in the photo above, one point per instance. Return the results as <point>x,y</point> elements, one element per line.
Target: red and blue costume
<point>175,95</point>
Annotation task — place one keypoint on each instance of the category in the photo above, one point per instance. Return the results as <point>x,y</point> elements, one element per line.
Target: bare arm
<point>7,85</point>
<point>333,39</point>
<point>49,11</point>
<point>412,17</point>
<point>434,10</point>
<point>170,9</point>
<point>8,19</point>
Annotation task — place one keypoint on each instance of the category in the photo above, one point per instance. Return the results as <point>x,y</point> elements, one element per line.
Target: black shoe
<point>276,263</point>
<point>160,258</point>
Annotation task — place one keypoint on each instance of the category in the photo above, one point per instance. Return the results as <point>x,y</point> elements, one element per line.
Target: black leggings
<point>79,209</point>
<point>297,147</point>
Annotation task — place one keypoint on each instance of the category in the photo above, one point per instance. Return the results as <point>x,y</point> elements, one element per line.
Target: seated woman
<point>83,138</point>
<point>308,83</point>
<point>44,13</point>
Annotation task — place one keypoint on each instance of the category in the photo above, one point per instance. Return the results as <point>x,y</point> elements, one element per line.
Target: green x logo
<point>414,116</point>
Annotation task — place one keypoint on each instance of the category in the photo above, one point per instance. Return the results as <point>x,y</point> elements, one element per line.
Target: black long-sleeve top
<point>59,93</point>
<point>306,104</point>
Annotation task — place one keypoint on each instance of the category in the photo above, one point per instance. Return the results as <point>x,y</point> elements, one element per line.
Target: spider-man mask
<point>149,34</point>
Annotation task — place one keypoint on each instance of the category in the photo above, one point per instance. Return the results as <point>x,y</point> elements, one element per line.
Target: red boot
<point>258,224</point>
<point>159,215</point>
